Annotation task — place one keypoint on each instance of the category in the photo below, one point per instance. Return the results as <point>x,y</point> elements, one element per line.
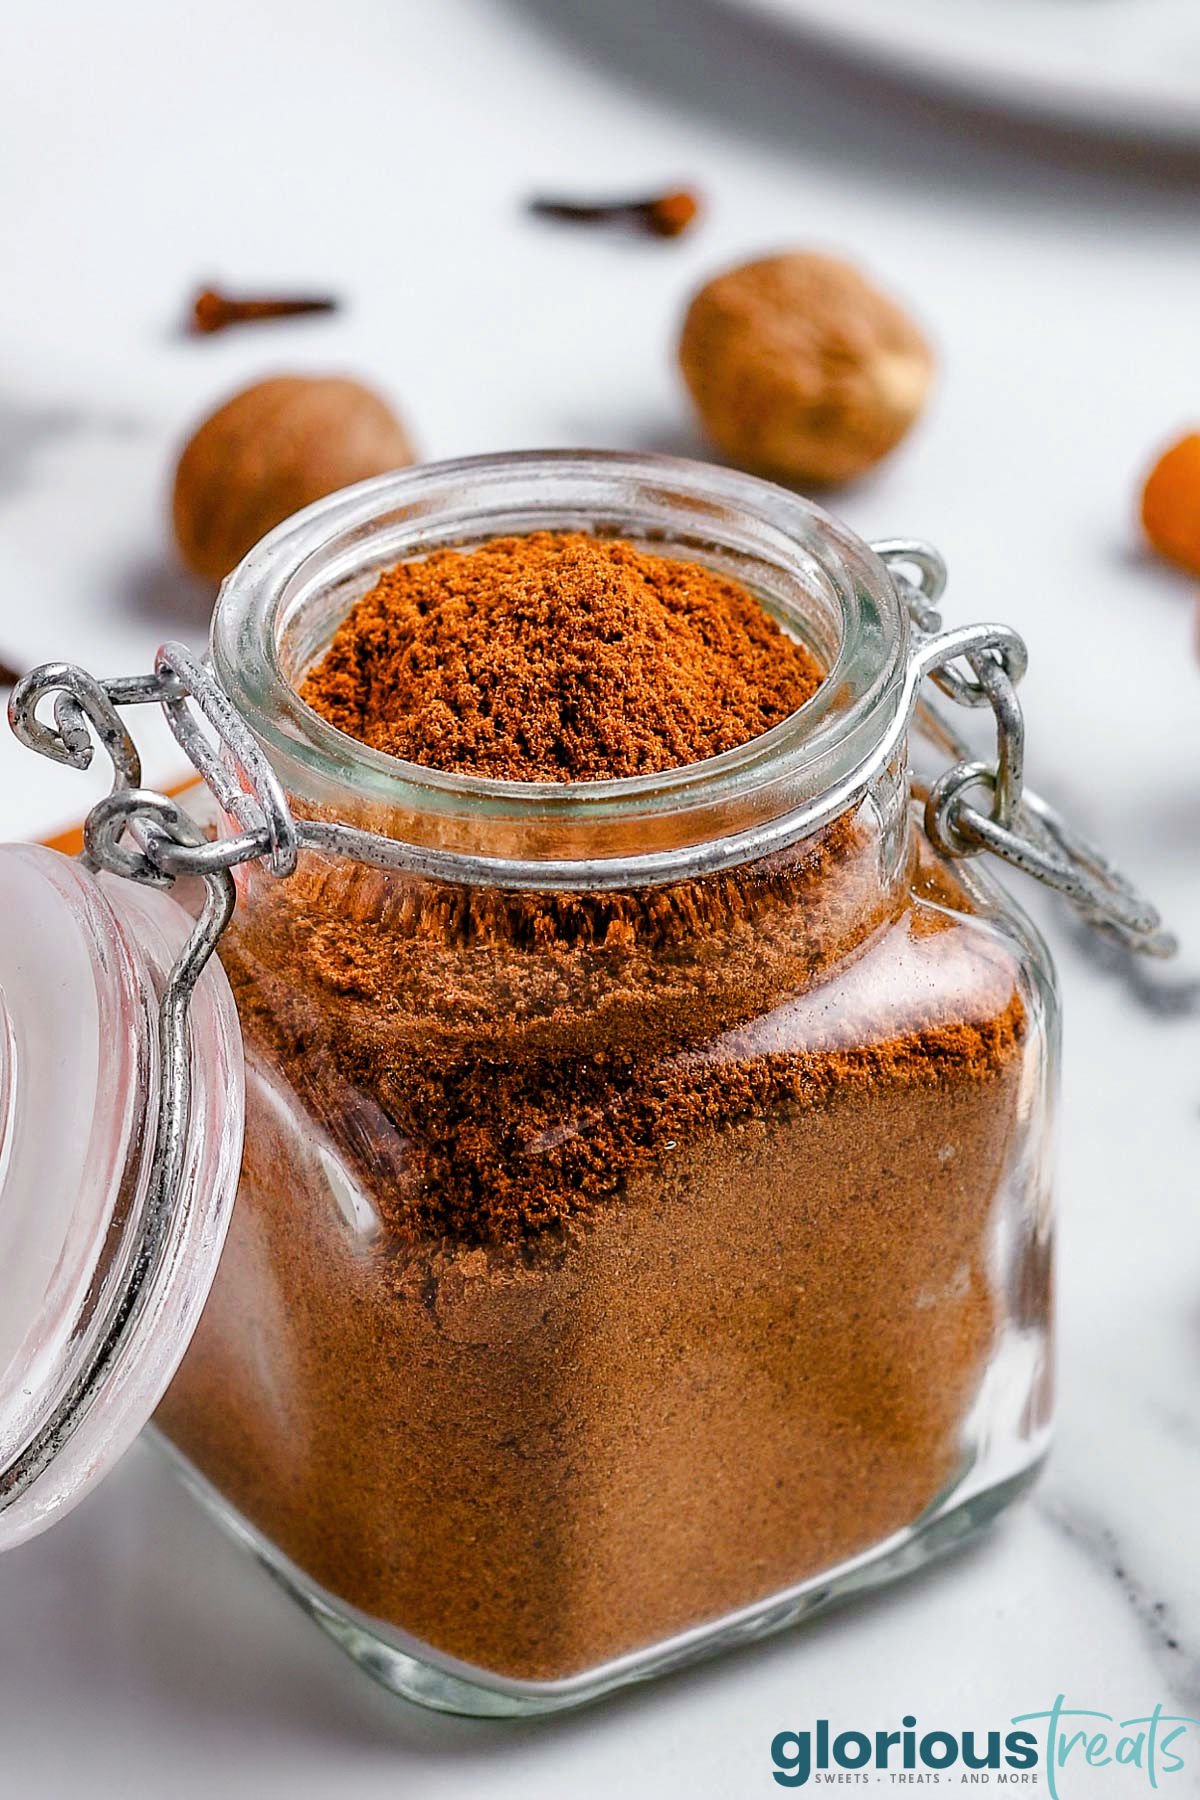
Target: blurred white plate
<point>1128,66</point>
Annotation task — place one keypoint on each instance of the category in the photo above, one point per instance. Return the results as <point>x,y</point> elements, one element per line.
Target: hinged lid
<point>115,1186</point>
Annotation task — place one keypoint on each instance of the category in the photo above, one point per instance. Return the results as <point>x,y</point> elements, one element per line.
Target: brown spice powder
<point>603,1263</point>
<point>558,657</point>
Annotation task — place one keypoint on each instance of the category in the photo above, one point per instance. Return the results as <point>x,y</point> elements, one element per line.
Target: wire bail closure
<point>1019,827</point>
<point>145,837</point>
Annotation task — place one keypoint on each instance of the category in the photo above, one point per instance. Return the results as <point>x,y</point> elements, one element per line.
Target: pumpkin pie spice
<point>604,1262</point>
<point>558,657</point>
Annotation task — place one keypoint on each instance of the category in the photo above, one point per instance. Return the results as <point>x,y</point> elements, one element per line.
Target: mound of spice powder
<point>604,1263</point>
<point>558,657</point>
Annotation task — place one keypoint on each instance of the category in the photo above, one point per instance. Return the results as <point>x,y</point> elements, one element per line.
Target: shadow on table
<point>159,591</point>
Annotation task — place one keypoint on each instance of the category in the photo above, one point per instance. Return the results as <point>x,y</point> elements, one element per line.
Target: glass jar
<point>644,1234</point>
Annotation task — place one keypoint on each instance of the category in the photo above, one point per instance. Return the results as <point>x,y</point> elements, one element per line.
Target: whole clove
<point>213,311</point>
<point>662,215</point>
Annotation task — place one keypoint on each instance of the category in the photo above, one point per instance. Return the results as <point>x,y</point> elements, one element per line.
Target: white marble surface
<point>383,149</point>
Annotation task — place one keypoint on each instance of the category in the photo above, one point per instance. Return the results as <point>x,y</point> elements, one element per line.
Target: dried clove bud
<point>662,215</point>
<point>213,311</point>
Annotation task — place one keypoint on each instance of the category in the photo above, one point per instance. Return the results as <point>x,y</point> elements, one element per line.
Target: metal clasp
<point>1018,826</point>
<point>971,665</point>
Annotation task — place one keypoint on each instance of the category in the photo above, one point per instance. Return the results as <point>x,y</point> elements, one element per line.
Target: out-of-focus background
<point>1033,201</point>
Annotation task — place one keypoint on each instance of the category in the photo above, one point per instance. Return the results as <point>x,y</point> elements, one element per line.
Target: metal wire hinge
<point>1019,827</point>
<point>146,837</point>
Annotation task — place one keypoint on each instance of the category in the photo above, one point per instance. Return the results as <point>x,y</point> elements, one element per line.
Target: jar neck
<point>279,609</point>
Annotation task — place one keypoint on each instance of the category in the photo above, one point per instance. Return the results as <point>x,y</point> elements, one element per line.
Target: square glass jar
<point>644,1230</point>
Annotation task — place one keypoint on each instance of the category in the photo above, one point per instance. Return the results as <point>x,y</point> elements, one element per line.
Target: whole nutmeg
<point>801,369</point>
<point>271,449</point>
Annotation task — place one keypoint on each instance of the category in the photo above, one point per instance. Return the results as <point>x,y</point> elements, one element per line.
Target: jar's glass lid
<point>102,1276</point>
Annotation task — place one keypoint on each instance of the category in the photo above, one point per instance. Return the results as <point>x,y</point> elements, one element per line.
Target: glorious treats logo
<point>1070,1750</point>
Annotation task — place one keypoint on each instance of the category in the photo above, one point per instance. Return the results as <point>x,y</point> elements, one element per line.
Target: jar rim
<point>807,558</point>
